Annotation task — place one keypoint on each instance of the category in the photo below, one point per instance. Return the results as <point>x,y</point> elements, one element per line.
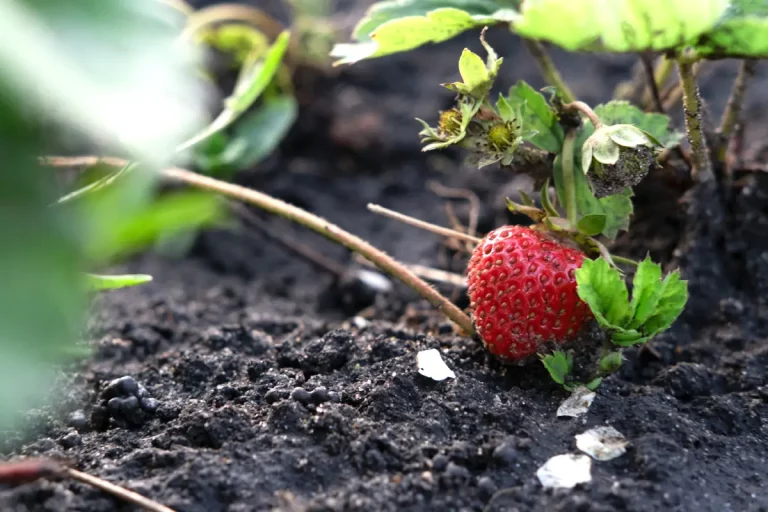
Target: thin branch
<point>652,83</point>
<point>459,193</point>
<point>732,114</point>
<point>426,226</point>
<point>277,207</point>
<point>429,273</point>
<point>692,109</point>
<point>120,492</point>
<point>548,69</point>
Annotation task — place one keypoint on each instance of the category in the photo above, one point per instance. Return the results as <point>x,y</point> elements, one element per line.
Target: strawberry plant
<point>532,288</point>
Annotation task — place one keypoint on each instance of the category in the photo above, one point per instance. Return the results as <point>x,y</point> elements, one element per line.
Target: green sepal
<point>558,364</point>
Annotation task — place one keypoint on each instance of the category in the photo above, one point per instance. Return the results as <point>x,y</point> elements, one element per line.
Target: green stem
<point>569,183</point>
<point>732,112</point>
<point>625,261</point>
<point>692,108</point>
<point>548,69</point>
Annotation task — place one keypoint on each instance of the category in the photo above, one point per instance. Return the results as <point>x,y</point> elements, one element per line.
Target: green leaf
<point>610,363</point>
<point>254,136</point>
<point>114,69</point>
<point>619,112</point>
<point>742,31</point>
<point>626,338</point>
<point>601,287</point>
<point>472,69</point>
<point>646,292</point>
<point>100,282</point>
<point>401,25</point>
<point>592,224</point>
<point>506,111</point>
<point>674,295</point>
<point>119,235</point>
<point>594,383</point>
<point>618,25</point>
<point>538,116</point>
<point>255,77</point>
<point>558,364</point>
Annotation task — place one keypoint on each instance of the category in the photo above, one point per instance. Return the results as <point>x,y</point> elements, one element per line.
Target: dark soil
<point>270,384</point>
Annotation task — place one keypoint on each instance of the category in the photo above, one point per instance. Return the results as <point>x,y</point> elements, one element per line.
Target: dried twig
<point>426,226</point>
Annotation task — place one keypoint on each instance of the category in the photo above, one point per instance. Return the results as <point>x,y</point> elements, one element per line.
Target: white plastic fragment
<point>565,471</point>
<point>602,443</point>
<point>577,404</point>
<point>431,365</point>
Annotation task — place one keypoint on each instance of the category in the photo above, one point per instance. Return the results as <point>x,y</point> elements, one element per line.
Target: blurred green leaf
<point>112,69</point>
<point>618,25</point>
<point>254,136</point>
<point>558,364</point>
<point>742,31</point>
<point>256,74</point>
<point>98,282</point>
<point>400,25</point>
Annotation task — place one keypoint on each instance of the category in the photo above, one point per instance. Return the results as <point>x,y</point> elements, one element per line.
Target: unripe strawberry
<point>522,288</point>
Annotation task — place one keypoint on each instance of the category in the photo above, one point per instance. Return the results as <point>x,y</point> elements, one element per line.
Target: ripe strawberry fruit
<point>522,288</point>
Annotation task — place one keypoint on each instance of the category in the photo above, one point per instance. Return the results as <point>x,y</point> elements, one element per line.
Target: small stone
<point>505,454</point>
<point>78,420</point>
<point>732,309</point>
<point>71,440</point>
<point>275,395</point>
<point>487,487</point>
<point>256,370</point>
<point>148,404</point>
<point>115,405</point>
<point>439,462</point>
<point>301,395</point>
<point>141,392</point>
<point>334,397</point>
<point>455,471</point>
<point>123,386</point>
<point>130,404</point>
<point>319,395</point>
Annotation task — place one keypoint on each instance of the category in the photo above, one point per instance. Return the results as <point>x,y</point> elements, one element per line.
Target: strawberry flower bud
<point>616,157</point>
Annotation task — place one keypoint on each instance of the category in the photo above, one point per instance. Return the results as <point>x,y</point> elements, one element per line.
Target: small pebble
<point>149,404</point>
<point>301,395</point>
<point>71,440</point>
<point>334,397</point>
<point>141,392</point>
<point>487,487</point>
<point>505,454</point>
<point>275,395</point>
<point>439,462</point>
<point>319,395</point>
<point>78,419</point>
<point>123,386</point>
<point>456,471</point>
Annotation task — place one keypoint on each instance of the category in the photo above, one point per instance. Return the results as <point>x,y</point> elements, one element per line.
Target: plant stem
<point>622,259</point>
<point>692,108</point>
<point>116,490</point>
<point>330,231</point>
<point>732,113</point>
<point>417,223</point>
<point>652,83</point>
<point>586,110</point>
<point>303,217</point>
<point>548,68</point>
<point>569,183</point>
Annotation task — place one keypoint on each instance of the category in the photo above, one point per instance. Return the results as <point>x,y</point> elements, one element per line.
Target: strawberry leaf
<point>618,112</point>
<point>538,116</point>
<point>396,26</point>
<point>619,25</point>
<point>741,32</point>
<point>558,364</point>
<point>592,224</point>
<point>601,287</point>
<point>610,363</point>
<point>646,292</point>
<point>674,295</point>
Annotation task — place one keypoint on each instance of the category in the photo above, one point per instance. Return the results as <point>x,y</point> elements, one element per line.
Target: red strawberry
<point>522,288</point>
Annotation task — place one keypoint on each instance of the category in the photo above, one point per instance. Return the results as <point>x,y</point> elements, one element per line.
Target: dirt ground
<point>276,384</point>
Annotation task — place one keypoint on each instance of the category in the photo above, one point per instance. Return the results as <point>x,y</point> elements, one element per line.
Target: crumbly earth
<point>279,386</point>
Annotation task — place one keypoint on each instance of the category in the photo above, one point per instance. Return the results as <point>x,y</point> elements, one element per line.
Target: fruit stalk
<point>569,182</point>
<point>732,112</point>
<point>548,69</point>
<point>586,110</point>
<point>692,107</point>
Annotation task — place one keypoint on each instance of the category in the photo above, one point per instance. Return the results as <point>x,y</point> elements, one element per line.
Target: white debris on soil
<point>602,443</point>
<point>565,471</point>
<point>431,365</point>
<point>577,404</point>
